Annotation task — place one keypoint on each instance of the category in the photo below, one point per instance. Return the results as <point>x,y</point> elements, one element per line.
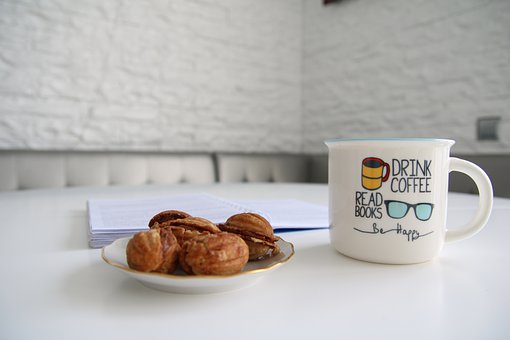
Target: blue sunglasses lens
<point>397,209</point>
<point>423,211</point>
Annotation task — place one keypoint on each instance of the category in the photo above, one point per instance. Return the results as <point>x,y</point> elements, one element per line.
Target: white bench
<point>40,169</point>
<point>20,169</point>
<point>262,168</point>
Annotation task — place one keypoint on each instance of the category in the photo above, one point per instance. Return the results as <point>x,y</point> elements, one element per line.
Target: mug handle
<point>484,185</point>
<point>386,167</point>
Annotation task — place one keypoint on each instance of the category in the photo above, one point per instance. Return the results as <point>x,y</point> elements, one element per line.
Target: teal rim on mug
<point>411,139</point>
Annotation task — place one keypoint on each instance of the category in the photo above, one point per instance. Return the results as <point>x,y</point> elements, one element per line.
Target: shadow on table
<point>325,257</point>
<point>77,231</point>
<point>106,290</point>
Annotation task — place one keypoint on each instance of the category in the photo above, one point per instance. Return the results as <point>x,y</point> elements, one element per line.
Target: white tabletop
<point>54,287</point>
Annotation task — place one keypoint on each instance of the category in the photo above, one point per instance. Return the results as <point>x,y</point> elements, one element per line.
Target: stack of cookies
<point>199,246</point>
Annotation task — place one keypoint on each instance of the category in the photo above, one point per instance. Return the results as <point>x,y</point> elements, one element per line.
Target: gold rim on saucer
<point>286,249</point>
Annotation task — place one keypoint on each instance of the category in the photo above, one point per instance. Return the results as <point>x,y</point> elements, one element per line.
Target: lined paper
<point>113,219</point>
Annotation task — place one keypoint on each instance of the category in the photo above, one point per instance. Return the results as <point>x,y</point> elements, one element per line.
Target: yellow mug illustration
<point>374,172</point>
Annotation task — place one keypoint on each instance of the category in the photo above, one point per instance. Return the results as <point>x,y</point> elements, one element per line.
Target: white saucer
<point>181,283</point>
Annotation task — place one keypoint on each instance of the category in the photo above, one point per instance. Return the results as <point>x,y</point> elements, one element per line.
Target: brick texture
<point>155,75</point>
<point>400,68</point>
<point>242,75</point>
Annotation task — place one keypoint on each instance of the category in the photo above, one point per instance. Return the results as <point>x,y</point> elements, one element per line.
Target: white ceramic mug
<point>388,198</point>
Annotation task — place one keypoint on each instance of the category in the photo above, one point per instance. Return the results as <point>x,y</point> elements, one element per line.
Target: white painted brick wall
<point>151,74</point>
<point>243,75</point>
<point>398,68</point>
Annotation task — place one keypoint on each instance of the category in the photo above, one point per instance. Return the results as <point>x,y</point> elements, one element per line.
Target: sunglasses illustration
<point>398,209</point>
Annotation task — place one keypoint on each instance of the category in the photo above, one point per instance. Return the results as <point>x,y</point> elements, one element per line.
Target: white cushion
<point>197,169</point>
<point>126,169</point>
<point>8,173</point>
<point>262,168</point>
<point>87,169</point>
<point>164,170</point>
<point>40,170</point>
<point>49,169</point>
<point>180,169</point>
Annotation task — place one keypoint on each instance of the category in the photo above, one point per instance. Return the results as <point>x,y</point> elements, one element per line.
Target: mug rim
<point>445,141</point>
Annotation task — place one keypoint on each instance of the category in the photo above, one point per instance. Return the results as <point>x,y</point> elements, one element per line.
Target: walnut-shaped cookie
<point>167,215</point>
<point>189,227</point>
<point>256,231</point>
<point>155,250</point>
<point>214,254</point>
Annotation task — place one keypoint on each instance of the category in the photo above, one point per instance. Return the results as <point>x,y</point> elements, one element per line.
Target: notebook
<point>113,219</point>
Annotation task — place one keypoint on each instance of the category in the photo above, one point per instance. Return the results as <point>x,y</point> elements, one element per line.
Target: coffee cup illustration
<point>374,172</point>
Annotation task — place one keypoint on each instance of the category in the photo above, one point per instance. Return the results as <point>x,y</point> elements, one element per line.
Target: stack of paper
<point>113,219</point>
